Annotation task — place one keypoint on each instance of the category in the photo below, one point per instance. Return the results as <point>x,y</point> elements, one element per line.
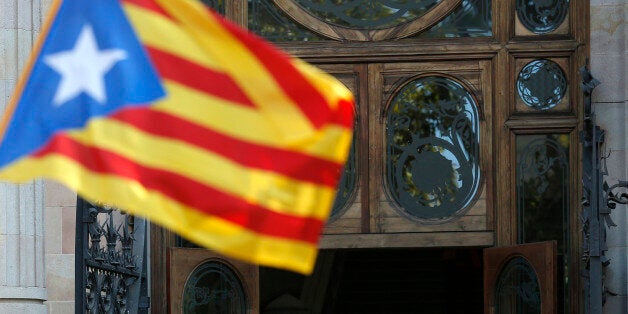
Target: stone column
<point>609,64</point>
<point>22,271</point>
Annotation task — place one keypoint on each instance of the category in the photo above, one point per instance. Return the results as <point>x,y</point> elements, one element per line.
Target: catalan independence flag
<point>167,111</point>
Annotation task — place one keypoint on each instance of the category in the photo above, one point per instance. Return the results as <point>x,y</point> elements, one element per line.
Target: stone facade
<point>609,55</point>
<point>37,220</point>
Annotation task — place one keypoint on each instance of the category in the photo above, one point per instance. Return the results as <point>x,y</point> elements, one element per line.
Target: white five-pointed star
<point>83,68</point>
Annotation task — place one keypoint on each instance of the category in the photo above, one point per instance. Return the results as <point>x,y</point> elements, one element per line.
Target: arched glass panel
<point>541,84</point>
<point>517,290</point>
<point>346,186</point>
<point>217,5</point>
<point>268,21</point>
<point>543,195</point>
<point>473,18</point>
<point>367,14</point>
<point>213,287</point>
<point>432,146</point>
<point>541,17</point>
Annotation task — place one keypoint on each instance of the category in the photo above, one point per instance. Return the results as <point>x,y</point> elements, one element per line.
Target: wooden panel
<point>391,220</point>
<point>183,261</point>
<point>541,256</point>
<point>351,219</point>
<point>407,240</point>
<point>387,80</point>
<point>565,103</point>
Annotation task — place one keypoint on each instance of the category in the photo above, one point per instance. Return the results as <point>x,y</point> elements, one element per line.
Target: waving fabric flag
<point>165,110</point>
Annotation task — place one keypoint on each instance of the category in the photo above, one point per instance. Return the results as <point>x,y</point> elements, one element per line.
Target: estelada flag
<point>164,109</point>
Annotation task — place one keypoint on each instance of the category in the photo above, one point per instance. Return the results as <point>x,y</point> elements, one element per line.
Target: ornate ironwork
<point>542,17</point>
<point>433,148</point>
<point>541,84</point>
<point>473,18</point>
<point>346,186</point>
<point>368,14</point>
<point>518,289</point>
<point>268,21</point>
<point>110,261</point>
<point>213,287</point>
<point>599,199</point>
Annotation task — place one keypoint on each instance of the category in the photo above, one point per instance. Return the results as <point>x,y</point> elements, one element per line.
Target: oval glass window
<point>432,149</point>
<point>213,287</point>
<point>367,20</point>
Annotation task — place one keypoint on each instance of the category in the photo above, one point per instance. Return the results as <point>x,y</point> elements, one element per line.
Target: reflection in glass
<point>346,186</point>
<point>541,17</point>
<point>543,195</point>
<point>213,288</point>
<point>432,135</point>
<point>471,19</point>
<point>217,5</point>
<point>541,84</point>
<point>517,290</point>
<point>367,14</point>
<point>268,21</point>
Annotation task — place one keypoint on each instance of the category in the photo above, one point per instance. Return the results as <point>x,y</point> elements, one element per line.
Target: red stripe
<point>293,164</point>
<point>203,198</point>
<point>304,95</point>
<point>197,77</point>
<point>293,83</point>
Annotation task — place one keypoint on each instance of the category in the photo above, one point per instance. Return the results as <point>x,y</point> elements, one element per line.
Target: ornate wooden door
<point>520,279</point>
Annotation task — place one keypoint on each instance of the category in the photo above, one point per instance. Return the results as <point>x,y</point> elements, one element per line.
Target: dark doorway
<point>379,281</point>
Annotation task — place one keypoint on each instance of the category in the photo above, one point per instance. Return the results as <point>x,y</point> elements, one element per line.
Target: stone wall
<point>60,211</point>
<point>22,258</point>
<point>609,51</point>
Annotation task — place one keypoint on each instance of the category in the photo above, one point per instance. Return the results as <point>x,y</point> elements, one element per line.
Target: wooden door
<point>520,279</point>
<point>202,281</point>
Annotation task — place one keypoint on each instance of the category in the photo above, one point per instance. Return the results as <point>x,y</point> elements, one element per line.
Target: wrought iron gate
<point>111,261</point>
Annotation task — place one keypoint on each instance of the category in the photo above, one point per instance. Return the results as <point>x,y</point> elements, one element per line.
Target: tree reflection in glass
<point>367,14</point>
<point>432,148</point>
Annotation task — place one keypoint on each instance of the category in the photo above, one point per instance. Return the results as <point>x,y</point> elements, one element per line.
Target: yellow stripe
<point>330,142</point>
<point>159,32</point>
<point>208,231</point>
<point>328,86</point>
<point>267,189</point>
<point>242,66</point>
